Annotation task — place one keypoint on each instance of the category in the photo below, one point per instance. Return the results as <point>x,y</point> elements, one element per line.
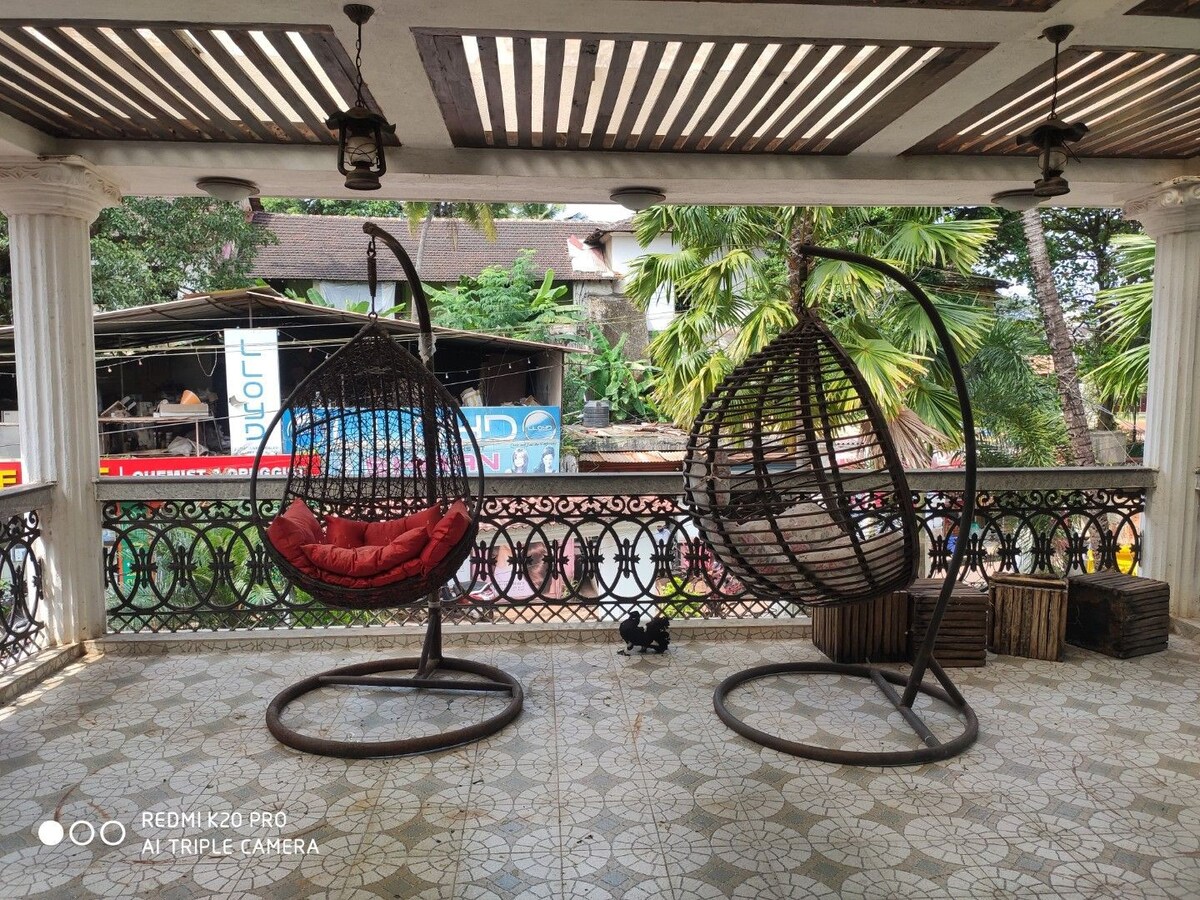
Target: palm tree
<point>1046,294</point>
<point>1124,375</point>
<point>737,278</point>
<point>421,213</point>
<point>1016,409</point>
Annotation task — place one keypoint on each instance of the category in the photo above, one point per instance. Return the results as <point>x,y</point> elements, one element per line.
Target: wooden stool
<point>873,631</point>
<point>963,636</point>
<point>1118,615</point>
<point>1029,616</point>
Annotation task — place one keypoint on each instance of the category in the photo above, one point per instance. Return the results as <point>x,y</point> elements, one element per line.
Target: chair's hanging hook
<point>372,277</point>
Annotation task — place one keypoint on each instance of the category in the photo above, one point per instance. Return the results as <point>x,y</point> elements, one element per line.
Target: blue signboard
<point>517,439</point>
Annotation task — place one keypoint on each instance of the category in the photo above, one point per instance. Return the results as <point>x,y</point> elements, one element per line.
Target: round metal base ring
<point>920,755</point>
<point>400,747</point>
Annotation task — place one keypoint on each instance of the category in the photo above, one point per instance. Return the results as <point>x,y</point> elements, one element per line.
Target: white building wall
<point>623,248</point>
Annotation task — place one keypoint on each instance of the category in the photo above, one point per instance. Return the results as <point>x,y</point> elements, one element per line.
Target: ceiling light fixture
<point>1017,200</point>
<point>637,198</point>
<point>1053,136</point>
<point>231,190</point>
<point>360,129</point>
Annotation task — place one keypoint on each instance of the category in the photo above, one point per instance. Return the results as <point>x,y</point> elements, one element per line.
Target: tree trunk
<point>798,265</point>
<point>1046,295</point>
<point>412,311</point>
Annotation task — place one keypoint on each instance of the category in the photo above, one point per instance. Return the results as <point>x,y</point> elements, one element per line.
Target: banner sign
<point>166,466</point>
<point>252,386</point>
<point>517,439</point>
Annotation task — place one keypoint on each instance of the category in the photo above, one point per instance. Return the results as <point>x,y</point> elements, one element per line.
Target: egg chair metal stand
<point>374,435</point>
<point>768,482</point>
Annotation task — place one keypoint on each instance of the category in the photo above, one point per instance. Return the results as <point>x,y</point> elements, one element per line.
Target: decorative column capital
<point>56,186</point>
<point>1168,208</point>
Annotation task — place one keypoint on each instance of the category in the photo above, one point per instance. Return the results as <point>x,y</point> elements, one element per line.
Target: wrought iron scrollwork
<point>197,564</point>
<point>21,627</point>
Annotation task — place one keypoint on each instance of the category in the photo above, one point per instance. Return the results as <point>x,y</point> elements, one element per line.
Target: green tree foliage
<point>512,302</point>
<point>1082,245</point>
<point>152,249</point>
<point>625,384</point>
<point>1123,372</point>
<point>398,209</point>
<point>373,209</point>
<point>1017,415</point>
<point>738,277</point>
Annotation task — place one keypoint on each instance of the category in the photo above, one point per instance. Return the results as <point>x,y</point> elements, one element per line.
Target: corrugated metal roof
<point>267,308</point>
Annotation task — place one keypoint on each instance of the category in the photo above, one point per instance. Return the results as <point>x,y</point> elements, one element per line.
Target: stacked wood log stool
<point>891,628</point>
<point>1118,615</point>
<point>1031,616</point>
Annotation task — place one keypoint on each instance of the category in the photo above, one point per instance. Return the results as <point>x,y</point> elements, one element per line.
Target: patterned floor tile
<point>618,780</point>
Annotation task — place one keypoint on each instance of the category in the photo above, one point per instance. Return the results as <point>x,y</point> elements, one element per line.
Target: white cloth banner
<point>252,386</point>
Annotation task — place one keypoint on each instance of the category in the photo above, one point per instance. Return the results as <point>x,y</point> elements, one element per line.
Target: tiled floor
<point>616,781</point>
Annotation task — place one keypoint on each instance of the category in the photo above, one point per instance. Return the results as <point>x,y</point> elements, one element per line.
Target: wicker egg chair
<point>379,509</point>
<point>796,485</point>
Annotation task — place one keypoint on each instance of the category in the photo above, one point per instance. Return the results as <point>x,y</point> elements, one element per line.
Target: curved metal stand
<point>933,751</point>
<point>425,677</point>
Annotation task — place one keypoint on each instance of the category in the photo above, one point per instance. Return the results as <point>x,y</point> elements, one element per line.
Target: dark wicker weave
<point>412,460</point>
<point>410,457</point>
<point>794,480</point>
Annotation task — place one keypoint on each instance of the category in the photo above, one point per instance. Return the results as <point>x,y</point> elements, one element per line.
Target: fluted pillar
<point>1170,213</point>
<point>50,204</point>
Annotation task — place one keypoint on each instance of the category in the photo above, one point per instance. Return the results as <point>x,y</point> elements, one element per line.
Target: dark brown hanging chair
<point>379,509</point>
<point>796,485</point>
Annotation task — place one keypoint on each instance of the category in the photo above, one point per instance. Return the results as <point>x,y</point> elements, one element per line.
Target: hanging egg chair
<point>795,483</point>
<point>379,508</point>
<point>794,480</point>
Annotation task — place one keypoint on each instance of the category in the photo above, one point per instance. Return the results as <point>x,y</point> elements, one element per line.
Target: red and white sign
<point>151,466</point>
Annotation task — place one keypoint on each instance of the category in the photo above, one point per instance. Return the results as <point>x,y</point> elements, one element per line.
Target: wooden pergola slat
<point>523,79</point>
<point>654,55</point>
<point>666,96</point>
<point>719,103</point>
<point>120,82</point>
<point>696,95</point>
<point>584,75</point>
<point>283,131</point>
<point>489,61</point>
<point>1140,84</point>
<point>136,121</point>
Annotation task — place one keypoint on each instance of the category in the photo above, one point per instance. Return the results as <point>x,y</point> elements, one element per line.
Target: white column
<point>1170,213</point>
<point>50,203</point>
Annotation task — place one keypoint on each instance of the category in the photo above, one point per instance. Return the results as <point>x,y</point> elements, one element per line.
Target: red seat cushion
<point>364,562</point>
<point>292,529</point>
<point>410,569</point>
<point>445,534</point>
<point>345,533</point>
<point>380,533</point>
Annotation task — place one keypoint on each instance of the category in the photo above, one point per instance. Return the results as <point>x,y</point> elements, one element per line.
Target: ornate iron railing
<point>184,555</point>
<point>22,630</point>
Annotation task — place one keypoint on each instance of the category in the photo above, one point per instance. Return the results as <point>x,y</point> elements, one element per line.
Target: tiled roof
<point>333,248</point>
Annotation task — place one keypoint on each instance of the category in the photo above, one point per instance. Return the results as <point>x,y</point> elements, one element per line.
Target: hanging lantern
<point>360,129</point>
<point>1053,136</point>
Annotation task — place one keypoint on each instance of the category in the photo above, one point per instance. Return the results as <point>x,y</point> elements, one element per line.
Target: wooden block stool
<point>872,631</point>
<point>1029,616</point>
<point>963,636</point>
<point>1118,615</point>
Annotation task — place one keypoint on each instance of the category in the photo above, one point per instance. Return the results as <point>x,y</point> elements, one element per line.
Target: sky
<point>597,212</point>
